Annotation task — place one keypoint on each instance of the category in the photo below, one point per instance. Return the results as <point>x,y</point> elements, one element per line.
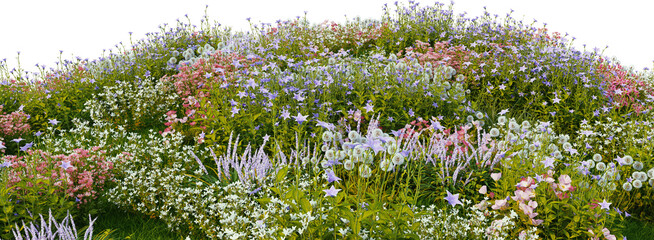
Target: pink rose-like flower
<point>565,183</point>
<point>523,195</point>
<point>499,204</point>
<point>496,176</point>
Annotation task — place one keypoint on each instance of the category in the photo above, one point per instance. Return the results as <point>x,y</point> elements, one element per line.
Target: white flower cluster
<point>133,103</point>
<point>613,137</point>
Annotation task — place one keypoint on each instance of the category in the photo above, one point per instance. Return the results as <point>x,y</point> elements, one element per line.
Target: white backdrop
<point>39,29</point>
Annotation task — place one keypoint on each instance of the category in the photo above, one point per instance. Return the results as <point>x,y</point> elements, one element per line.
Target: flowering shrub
<point>13,125</point>
<point>79,175</point>
<point>134,105</point>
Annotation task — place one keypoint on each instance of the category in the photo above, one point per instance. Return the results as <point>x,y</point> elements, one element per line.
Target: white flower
<point>637,183</point>
<point>597,157</point>
<point>353,136</point>
<point>348,165</point>
<point>329,154</point>
<point>650,173</point>
<point>494,132</point>
<point>628,160</point>
<point>470,118</point>
<point>590,163</point>
<point>626,186</point>
<point>501,120</point>
<point>651,182</point>
<point>514,125</point>
<point>638,165</point>
<point>479,115</point>
<point>327,136</point>
<point>526,124</point>
<point>377,133</point>
<point>600,166</point>
<point>567,146</point>
<point>364,171</point>
<point>398,159</point>
<point>386,165</point>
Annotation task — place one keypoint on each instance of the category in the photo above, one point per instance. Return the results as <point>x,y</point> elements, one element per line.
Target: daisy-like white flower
<point>638,165</point>
<point>637,183</point>
<point>365,171</point>
<point>398,159</point>
<point>627,186</point>
<point>597,157</point>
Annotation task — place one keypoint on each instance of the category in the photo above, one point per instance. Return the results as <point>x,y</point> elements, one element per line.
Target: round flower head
<point>501,120</point>
<point>627,186</point>
<point>642,176</point>
<point>650,173</point>
<point>612,186</point>
<point>597,157</point>
<point>364,171</point>
<point>590,163</point>
<point>348,165</point>
<point>330,155</point>
<point>600,166</point>
<point>637,184</point>
<point>398,159</point>
<point>327,136</point>
<point>358,151</point>
<point>638,165</point>
<point>479,115</point>
<point>324,148</point>
<point>513,125</point>
<point>532,148</point>
<point>338,136</point>
<point>526,124</point>
<point>386,165</point>
<point>552,147</point>
<point>470,118</point>
<point>567,146</point>
<point>391,147</point>
<point>353,136</point>
<point>494,132</point>
<point>628,160</point>
<point>377,133</point>
<point>635,175</point>
<point>341,155</point>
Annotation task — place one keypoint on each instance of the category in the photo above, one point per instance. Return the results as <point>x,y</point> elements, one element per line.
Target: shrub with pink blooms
<point>13,125</point>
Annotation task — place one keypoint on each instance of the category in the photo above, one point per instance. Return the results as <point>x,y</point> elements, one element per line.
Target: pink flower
<point>565,182</point>
<point>496,176</point>
<point>499,204</point>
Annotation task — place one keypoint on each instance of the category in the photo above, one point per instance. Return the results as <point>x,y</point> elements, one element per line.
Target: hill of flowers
<point>423,124</point>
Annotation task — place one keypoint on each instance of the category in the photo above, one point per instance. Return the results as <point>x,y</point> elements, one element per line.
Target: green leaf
<point>306,205</point>
<point>281,174</point>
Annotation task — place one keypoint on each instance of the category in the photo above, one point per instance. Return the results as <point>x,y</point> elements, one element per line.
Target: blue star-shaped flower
<point>453,199</point>
<point>331,192</point>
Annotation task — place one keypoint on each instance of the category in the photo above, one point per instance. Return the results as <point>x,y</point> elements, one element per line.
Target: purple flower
<point>548,162</point>
<point>285,114</point>
<point>65,165</point>
<point>326,125</point>
<point>331,192</point>
<point>300,118</point>
<point>5,164</point>
<point>331,176</point>
<point>17,140</point>
<point>605,205</point>
<point>369,108</point>
<point>38,133</point>
<point>53,121</point>
<point>453,199</point>
<point>27,146</point>
<point>255,191</point>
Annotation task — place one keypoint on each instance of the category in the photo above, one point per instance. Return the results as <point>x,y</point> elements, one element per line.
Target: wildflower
<point>638,165</point>
<point>499,204</point>
<point>348,165</point>
<point>17,140</point>
<point>53,121</point>
<point>496,176</point>
<point>27,146</point>
<point>605,205</point>
<point>650,173</point>
<point>600,166</point>
<point>627,186</point>
<point>548,162</point>
<point>637,183</point>
<point>331,192</point>
<point>494,132</point>
<point>483,190</point>
<point>453,199</point>
<point>65,165</point>
<point>365,171</point>
<point>327,136</point>
<point>331,176</point>
<point>369,108</point>
<point>398,159</point>
<point>5,164</point>
<point>501,120</point>
<point>386,165</point>
<point>300,118</point>
<point>597,157</point>
<point>628,160</point>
